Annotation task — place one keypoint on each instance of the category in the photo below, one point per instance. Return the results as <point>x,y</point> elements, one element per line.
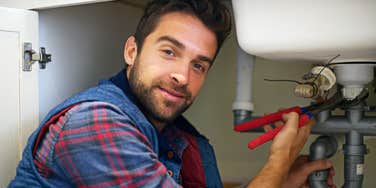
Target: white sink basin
<point>307,30</point>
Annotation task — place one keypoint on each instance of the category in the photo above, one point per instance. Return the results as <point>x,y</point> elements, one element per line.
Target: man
<point>128,131</point>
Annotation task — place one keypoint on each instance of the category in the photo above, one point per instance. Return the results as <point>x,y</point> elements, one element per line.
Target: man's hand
<point>302,168</point>
<point>290,140</point>
<point>283,152</point>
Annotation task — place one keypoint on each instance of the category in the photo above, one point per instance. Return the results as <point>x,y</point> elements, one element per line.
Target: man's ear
<point>130,51</point>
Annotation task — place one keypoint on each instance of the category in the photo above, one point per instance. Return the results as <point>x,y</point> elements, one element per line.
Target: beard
<point>153,104</point>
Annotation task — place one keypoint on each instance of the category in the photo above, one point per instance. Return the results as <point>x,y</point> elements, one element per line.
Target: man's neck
<point>157,124</point>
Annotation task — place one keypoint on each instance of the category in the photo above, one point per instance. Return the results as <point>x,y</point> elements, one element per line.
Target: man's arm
<point>99,147</point>
<point>283,152</point>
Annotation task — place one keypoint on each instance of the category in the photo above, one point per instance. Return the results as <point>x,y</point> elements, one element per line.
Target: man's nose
<point>180,75</point>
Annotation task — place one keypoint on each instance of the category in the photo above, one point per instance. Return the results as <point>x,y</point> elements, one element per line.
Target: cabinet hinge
<point>30,57</point>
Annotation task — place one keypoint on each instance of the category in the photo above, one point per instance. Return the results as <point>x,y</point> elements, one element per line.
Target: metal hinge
<point>30,56</point>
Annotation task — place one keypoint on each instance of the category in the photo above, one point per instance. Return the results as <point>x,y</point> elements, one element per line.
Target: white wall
<point>86,43</point>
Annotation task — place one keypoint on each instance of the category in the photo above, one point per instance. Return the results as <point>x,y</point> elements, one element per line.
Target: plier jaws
<point>305,115</point>
<point>304,118</point>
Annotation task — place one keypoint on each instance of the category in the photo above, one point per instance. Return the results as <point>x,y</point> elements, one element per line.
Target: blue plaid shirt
<point>100,132</point>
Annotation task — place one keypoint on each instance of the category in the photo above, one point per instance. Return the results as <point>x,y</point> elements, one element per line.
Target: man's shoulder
<point>88,113</point>
<point>98,119</point>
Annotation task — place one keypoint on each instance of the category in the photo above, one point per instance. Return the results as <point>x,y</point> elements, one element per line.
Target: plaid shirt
<point>95,144</point>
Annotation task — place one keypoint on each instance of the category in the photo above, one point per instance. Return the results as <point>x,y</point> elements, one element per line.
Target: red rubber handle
<point>303,120</point>
<point>266,119</point>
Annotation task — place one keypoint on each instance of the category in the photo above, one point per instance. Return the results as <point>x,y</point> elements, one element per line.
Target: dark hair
<point>212,13</point>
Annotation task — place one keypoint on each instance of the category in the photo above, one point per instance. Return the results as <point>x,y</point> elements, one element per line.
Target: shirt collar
<point>121,81</point>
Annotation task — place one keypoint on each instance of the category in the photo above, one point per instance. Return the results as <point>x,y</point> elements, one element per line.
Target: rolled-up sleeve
<point>99,146</point>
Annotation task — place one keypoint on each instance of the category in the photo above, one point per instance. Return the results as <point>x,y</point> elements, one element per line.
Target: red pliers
<point>304,118</point>
<point>305,114</point>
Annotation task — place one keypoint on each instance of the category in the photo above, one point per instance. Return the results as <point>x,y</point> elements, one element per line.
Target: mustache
<point>180,89</point>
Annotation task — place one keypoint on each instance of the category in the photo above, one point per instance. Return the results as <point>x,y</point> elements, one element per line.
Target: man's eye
<point>169,52</point>
<point>199,67</point>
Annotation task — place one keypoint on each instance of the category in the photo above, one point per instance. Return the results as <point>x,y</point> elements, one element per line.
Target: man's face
<point>174,61</point>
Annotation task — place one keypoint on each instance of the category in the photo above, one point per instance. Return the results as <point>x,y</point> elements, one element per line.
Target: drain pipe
<point>354,77</point>
<point>243,106</point>
<point>354,150</point>
<point>324,147</point>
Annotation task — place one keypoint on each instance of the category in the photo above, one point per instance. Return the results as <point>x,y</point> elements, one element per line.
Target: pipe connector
<point>323,147</point>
